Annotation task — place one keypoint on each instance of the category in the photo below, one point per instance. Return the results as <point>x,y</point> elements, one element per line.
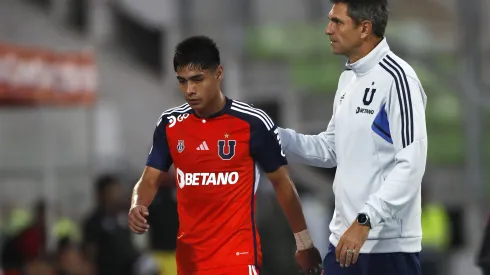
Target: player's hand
<point>137,221</point>
<point>309,261</point>
<point>347,251</point>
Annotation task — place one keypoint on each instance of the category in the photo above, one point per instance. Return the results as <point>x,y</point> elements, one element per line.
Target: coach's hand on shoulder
<point>310,261</point>
<point>137,219</point>
<point>347,251</point>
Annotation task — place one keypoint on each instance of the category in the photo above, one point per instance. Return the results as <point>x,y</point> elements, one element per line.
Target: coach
<point>377,139</point>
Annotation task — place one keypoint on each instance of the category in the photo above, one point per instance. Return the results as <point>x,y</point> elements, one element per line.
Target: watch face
<point>362,219</point>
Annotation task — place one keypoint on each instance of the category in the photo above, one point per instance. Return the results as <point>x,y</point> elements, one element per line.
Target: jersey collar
<point>365,64</point>
<point>220,113</point>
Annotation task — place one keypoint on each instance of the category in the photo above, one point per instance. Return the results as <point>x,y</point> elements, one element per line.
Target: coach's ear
<point>366,28</point>
<point>219,72</point>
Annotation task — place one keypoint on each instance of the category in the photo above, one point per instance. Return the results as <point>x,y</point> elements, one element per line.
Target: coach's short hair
<point>375,11</point>
<point>199,51</point>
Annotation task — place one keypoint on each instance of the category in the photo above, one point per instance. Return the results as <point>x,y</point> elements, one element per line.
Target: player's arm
<point>147,186</point>
<point>314,150</point>
<point>157,165</point>
<point>405,110</point>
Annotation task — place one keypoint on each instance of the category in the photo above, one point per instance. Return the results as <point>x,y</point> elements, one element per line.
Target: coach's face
<point>345,35</point>
<point>200,87</point>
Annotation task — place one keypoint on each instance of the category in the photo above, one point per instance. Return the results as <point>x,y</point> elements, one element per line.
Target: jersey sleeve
<point>159,157</point>
<point>265,147</point>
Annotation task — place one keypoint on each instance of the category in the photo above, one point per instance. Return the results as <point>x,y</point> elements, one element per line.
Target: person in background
<point>107,241</point>
<point>163,245</point>
<point>436,228</point>
<point>483,260</point>
<point>40,266</point>
<point>27,245</point>
<point>70,261</point>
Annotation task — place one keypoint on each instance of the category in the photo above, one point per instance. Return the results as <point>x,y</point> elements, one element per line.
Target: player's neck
<point>364,49</point>
<point>214,107</point>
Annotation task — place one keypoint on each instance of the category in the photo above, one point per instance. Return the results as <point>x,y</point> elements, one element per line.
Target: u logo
<point>228,152</point>
<point>366,92</point>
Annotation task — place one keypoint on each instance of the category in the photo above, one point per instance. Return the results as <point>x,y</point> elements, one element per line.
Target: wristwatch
<point>363,219</point>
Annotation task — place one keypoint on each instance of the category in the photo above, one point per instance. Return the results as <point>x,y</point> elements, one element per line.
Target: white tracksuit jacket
<point>377,139</point>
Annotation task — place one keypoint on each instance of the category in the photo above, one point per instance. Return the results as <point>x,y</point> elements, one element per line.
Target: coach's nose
<point>328,30</point>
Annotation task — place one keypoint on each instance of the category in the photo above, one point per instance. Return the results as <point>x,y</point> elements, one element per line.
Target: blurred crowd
<point>101,244</point>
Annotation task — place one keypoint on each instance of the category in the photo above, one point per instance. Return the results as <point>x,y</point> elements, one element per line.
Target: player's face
<point>200,87</point>
<point>345,35</point>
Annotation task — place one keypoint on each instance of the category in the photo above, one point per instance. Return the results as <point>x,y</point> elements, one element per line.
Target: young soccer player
<point>217,145</point>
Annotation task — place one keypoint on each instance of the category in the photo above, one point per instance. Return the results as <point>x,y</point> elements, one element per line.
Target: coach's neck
<point>366,47</point>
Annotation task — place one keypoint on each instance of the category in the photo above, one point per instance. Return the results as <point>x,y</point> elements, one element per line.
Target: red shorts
<point>232,270</point>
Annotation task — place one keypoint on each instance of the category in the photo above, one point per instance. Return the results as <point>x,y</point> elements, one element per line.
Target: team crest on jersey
<point>180,146</point>
<point>226,149</point>
<point>365,99</point>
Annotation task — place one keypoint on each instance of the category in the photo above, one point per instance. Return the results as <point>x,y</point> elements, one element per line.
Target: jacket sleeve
<point>405,108</point>
<point>314,150</point>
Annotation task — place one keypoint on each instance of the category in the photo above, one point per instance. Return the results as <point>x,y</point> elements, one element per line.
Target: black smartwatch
<point>363,219</point>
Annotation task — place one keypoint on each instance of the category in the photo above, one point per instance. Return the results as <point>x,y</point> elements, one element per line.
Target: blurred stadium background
<point>82,83</point>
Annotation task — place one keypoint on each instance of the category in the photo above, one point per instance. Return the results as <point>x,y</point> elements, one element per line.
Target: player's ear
<point>219,72</point>
<point>366,29</point>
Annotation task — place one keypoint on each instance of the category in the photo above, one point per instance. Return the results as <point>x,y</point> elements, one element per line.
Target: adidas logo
<point>203,147</point>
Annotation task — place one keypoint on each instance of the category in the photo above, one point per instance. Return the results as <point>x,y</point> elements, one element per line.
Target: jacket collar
<point>368,62</point>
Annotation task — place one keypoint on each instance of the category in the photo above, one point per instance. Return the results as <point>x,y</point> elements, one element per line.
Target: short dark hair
<point>200,51</point>
<point>375,11</point>
<point>104,181</point>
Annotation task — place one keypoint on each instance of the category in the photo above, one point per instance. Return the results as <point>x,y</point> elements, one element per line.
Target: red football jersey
<point>216,161</point>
